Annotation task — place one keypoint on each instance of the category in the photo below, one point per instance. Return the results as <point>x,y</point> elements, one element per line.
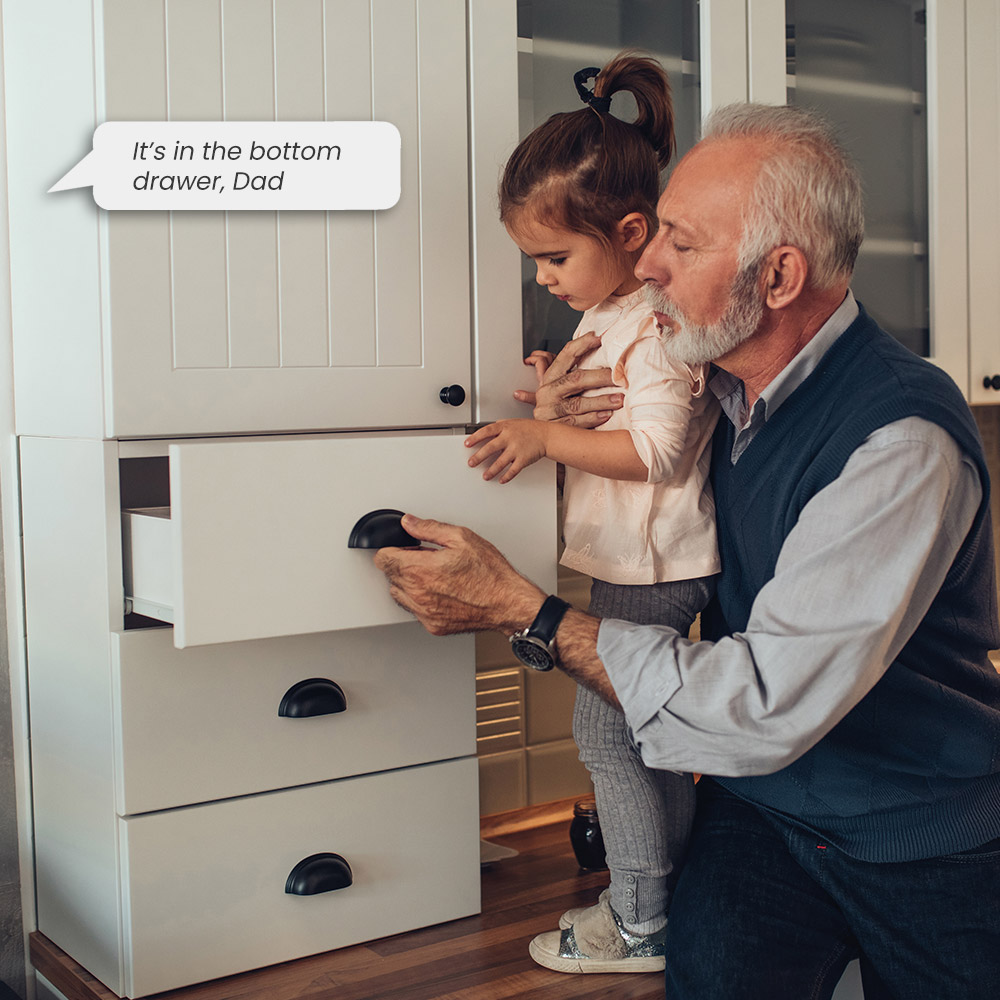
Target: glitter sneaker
<point>597,942</point>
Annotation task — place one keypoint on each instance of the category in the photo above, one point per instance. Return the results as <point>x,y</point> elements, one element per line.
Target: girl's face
<point>576,269</point>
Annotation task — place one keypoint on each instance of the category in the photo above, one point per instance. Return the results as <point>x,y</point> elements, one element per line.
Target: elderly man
<point>841,701</point>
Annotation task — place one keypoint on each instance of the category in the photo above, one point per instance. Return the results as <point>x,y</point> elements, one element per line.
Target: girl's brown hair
<point>586,170</point>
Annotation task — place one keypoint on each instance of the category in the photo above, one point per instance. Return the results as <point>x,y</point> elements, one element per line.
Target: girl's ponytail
<point>585,170</point>
<point>646,81</point>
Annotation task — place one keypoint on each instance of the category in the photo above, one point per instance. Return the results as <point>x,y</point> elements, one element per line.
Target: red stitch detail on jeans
<point>821,847</point>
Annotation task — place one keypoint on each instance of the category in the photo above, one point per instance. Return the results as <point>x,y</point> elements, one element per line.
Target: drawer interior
<point>144,494</point>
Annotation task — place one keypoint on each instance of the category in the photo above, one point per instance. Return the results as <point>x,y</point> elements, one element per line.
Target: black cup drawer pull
<point>319,873</point>
<point>379,528</point>
<point>315,696</point>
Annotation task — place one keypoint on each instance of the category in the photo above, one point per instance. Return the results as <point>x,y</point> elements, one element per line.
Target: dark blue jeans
<point>764,911</point>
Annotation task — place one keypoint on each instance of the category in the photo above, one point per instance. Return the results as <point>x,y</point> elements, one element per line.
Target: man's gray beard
<point>695,344</point>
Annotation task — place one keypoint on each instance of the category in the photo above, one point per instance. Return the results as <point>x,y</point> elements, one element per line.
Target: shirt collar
<point>730,390</point>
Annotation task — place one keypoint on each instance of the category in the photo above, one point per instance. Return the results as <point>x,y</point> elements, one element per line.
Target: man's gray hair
<point>808,192</point>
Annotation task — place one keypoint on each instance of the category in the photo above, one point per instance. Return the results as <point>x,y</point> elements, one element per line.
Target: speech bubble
<point>240,166</point>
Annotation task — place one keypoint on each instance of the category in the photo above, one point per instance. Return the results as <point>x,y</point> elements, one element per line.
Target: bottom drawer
<point>204,887</point>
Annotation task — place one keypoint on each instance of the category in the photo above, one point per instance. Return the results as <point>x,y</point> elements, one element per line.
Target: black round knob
<point>991,383</point>
<point>453,395</point>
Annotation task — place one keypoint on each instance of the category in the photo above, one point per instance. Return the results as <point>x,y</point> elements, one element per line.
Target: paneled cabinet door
<point>300,320</point>
<point>139,324</point>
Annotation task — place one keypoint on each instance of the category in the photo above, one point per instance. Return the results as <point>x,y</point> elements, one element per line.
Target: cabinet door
<point>556,38</point>
<point>257,538</point>
<point>983,71</point>
<point>883,71</point>
<point>261,321</point>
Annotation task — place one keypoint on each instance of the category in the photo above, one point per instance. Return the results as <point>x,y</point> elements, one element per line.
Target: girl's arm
<point>658,410</point>
<point>513,445</point>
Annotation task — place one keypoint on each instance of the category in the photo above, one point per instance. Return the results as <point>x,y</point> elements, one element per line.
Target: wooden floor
<point>478,958</point>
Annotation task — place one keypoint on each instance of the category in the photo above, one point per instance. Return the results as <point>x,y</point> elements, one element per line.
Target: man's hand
<point>466,585</point>
<point>516,444</point>
<point>561,382</point>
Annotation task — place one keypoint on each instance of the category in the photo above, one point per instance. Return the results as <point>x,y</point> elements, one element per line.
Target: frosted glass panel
<point>559,37</point>
<point>862,64</point>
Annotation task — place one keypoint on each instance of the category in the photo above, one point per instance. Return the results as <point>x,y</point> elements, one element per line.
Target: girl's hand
<point>512,444</point>
<point>540,361</point>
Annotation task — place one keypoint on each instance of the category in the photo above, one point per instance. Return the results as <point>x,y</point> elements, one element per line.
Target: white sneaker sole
<point>544,957</point>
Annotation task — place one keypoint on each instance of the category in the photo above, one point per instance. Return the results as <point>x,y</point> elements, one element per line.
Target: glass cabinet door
<point>888,74</point>
<point>863,65</point>
<point>558,37</point>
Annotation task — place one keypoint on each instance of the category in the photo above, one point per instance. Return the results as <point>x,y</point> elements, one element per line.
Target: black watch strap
<point>546,622</point>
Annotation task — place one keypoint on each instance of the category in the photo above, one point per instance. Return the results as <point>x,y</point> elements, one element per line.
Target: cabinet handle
<point>991,383</point>
<point>315,696</point>
<point>319,873</point>
<point>453,395</point>
<point>379,528</point>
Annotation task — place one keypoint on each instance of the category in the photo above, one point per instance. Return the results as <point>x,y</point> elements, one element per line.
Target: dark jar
<point>585,836</point>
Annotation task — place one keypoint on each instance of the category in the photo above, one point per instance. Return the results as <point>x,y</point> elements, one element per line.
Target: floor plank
<point>479,958</point>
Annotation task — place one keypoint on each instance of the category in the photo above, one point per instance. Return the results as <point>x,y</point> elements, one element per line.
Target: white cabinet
<point>912,88</point>
<point>242,321</point>
<point>206,404</point>
<point>133,736</point>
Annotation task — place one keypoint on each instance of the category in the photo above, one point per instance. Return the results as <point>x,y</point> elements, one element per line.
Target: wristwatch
<point>533,645</point>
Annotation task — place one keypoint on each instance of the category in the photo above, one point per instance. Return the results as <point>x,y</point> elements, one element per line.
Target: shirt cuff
<point>641,663</point>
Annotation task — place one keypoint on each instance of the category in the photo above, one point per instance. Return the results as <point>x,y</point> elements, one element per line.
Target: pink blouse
<point>663,529</point>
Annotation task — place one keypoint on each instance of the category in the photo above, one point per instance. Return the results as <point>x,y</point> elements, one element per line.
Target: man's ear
<point>785,274</point>
<point>633,231</point>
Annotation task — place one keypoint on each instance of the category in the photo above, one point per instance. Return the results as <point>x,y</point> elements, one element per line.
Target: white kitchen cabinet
<point>206,404</point>
<point>242,321</point>
<point>127,727</point>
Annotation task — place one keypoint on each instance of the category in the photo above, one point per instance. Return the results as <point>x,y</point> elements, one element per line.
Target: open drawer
<point>255,541</point>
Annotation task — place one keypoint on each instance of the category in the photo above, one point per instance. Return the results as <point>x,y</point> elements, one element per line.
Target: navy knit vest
<point>914,769</point>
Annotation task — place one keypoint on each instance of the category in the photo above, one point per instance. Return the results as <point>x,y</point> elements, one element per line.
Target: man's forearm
<point>576,654</point>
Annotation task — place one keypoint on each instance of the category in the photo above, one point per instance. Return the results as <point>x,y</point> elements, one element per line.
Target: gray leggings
<point>645,814</point>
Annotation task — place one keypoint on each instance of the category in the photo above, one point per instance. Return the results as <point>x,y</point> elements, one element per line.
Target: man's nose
<point>649,265</point>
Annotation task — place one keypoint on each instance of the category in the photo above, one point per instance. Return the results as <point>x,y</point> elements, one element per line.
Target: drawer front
<point>259,530</point>
<point>200,724</point>
<point>204,887</point>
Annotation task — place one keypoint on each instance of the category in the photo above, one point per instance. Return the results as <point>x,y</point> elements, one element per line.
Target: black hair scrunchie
<point>580,78</point>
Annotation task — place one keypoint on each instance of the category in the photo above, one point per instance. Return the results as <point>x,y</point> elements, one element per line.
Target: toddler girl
<point>578,197</point>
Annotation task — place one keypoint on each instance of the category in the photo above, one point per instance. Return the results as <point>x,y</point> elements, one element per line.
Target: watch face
<point>532,652</point>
